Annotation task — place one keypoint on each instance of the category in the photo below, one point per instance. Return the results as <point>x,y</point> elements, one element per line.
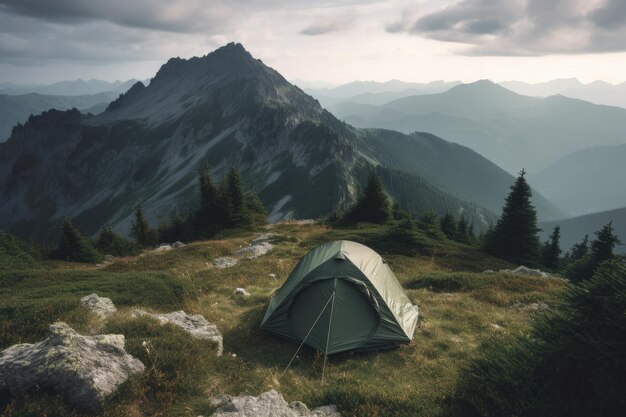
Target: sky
<point>325,41</point>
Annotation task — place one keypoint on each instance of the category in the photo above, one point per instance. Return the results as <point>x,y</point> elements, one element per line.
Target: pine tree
<point>373,205</point>
<point>449,226</point>
<point>601,250</point>
<point>462,231</point>
<point>514,237</point>
<point>551,250</point>
<point>114,244</point>
<point>141,231</point>
<point>580,249</point>
<point>74,247</point>
<point>234,201</point>
<point>429,223</point>
<point>211,216</point>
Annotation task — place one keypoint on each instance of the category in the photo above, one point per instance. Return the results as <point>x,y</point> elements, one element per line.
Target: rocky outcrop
<point>523,271</point>
<point>225,262</point>
<point>268,404</point>
<point>258,247</point>
<point>103,307</point>
<point>84,369</point>
<point>195,325</point>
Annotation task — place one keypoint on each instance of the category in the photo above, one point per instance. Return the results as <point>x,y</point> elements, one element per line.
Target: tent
<point>342,296</point>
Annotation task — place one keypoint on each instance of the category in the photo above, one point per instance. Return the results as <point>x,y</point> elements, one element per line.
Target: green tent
<point>342,296</point>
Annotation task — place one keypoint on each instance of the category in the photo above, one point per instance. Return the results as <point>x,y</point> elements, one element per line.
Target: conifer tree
<point>112,243</point>
<point>74,247</point>
<point>551,250</point>
<point>601,250</point>
<point>373,204</point>
<point>580,249</point>
<point>234,201</point>
<point>141,231</point>
<point>449,226</point>
<point>429,223</point>
<point>211,215</point>
<point>462,233</point>
<point>514,237</point>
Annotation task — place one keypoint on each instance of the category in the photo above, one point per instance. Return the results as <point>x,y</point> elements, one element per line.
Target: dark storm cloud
<point>525,27</point>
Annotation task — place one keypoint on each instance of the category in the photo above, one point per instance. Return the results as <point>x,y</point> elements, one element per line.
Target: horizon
<point>347,40</point>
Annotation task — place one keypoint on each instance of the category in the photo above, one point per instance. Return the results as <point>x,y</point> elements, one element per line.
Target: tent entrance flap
<point>352,315</point>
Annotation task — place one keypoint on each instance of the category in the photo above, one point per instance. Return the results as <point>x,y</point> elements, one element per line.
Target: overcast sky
<point>327,40</point>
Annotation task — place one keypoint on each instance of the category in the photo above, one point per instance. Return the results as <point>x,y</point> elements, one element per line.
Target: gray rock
<point>178,244</point>
<point>195,325</point>
<point>101,306</point>
<point>163,247</point>
<point>268,404</point>
<point>225,262</point>
<point>524,271</point>
<point>242,292</point>
<point>84,369</point>
<point>258,247</point>
<point>532,306</point>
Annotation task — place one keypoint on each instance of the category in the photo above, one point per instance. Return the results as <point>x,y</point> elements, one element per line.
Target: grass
<point>459,307</point>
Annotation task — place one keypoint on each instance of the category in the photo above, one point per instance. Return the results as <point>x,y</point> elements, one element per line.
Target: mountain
<point>513,130</point>
<point>225,109</point>
<point>16,109</point>
<point>574,229</point>
<point>597,92</point>
<point>586,181</point>
<point>69,88</point>
<point>358,88</point>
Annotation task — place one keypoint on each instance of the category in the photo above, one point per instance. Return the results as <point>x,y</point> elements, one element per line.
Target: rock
<point>163,247</point>
<point>101,306</point>
<point>497,327</point>
<point>84,369</point>
<point>195,325</point>
<point>531,306</point>
<point>258,247</point>
<point>242,292</point>
<point>225,262</point>
<point>489,271</point>
<point>268,404</point>
<point>524,271</point>
<point>178,244</point>
<point>273,276</point>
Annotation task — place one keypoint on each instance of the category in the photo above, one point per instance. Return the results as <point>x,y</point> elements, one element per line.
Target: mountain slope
<point>586,181</point>
<point>69,88</point>
<point>573,230</point>
<point>224,109</point>
<point>512,130</point>
<point>16,109</point>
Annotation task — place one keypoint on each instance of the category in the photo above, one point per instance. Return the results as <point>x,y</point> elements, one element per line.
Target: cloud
<point>525,27</point>
<point>322,28</point>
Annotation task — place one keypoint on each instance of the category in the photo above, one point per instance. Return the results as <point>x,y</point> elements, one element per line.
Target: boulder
<point>163,247</point>
<point>242,292</point>
<point>178,244</point>
<point>524,271</point>
<point>195,325</point>
<point>225,262</point>
<point>268,404</point>
<point>258,247</point>
<point>101,306</point>
<point>84,369</point>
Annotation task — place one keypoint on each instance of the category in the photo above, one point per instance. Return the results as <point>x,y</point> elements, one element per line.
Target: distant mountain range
<point>513,130</point>
<point>598,92</point>
<point>573,230</point>
<point>586,181</point>
<point>15,109</point>
<point>226,109</point>
<point>68,88</point>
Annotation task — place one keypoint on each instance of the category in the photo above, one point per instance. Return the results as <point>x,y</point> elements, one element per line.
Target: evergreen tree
<point>601,250</point>
<point>471,233</point>
<point>397,213</point>
<point>551,250</point>
<point>404,237</point>
<point>141,231</point>
<point>175,229</point>
<point>211,216</point>
<point>462,231</point>
<point>580,249</point>
<point>74,247</point>
<point>114,244</point>
<point>449,226</point>
<point>234,201</point>
<point>514,237</point>
<point>373,204</point>
<point>429,223</point>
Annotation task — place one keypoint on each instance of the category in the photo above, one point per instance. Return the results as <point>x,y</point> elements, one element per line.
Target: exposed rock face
<point>101,306</point>
<point>84,369</point>
<point>269,404</point>
<point>225,262</point>
<point>522,270</point>
<point>258,247</point>
<point>195,325</point>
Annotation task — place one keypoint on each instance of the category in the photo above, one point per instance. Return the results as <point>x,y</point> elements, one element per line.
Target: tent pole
<point>330,322</point>
<point>307,335</point>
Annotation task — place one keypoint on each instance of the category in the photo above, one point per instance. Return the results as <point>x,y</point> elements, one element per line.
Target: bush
<point>571,364</point>
<point>111,243</point>
<point>14,254</point>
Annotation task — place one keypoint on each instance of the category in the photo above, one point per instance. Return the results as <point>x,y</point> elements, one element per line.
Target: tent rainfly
<point>342,296</point>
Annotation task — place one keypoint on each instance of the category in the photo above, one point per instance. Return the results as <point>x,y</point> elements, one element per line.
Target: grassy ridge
<point>460,311</point>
